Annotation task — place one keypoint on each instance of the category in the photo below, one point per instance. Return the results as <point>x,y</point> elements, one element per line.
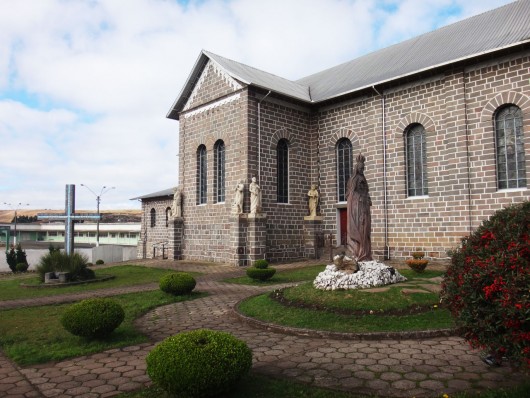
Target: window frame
<point>344,169</point>
<point>282,171</point>
<point>220,171</point>
<point>202,169</point>
<point>502,161</point>
<point>153,217</point>
<point>416,187</point>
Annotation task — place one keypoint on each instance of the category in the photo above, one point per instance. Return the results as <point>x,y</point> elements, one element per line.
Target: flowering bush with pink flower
<point>487,285</point>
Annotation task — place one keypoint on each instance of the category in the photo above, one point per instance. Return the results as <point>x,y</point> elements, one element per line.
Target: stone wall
<point>456,109</point>
<point>156,241</point>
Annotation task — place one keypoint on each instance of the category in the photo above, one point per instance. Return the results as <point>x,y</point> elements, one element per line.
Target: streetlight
<point>16,208</point>
<point>98,201</point>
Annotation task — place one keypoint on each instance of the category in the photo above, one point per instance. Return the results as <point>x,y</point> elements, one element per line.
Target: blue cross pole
<point>69,217</point>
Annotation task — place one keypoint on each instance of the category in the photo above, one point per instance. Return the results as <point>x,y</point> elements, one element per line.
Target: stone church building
<point>443,120</point>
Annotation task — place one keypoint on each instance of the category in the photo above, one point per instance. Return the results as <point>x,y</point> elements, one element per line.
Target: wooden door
<point>343,225</point>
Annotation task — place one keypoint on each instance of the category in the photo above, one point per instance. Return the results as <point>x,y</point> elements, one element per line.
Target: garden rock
<point>370,274</point>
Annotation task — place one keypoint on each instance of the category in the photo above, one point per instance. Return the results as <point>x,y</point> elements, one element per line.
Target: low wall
<point>107,253</point>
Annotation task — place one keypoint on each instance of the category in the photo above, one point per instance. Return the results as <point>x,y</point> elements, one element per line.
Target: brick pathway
<point>394,368</point>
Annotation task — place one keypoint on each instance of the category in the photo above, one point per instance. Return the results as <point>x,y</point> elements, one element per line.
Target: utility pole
<point>98,201</point>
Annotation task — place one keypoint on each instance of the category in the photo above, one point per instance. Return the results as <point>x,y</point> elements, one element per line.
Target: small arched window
<point>416,160</point>
<point>201,175</point>
<point>282,156</point>
<point>168,215</point>
<point>344,167</point>
<point>510,154</point>
<point>153,217</point>
<point>219,160</point>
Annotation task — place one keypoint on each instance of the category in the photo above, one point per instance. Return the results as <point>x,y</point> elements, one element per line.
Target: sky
<point>85,86</point>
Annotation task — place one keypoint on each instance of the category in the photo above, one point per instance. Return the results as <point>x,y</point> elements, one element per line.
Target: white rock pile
<point>370,274</point>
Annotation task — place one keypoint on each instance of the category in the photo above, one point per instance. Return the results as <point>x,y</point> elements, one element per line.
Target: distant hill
<point>108,216</point>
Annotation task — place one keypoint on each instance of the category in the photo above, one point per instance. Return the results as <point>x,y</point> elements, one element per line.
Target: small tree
<point>21,255</point>
<point>11,258</point>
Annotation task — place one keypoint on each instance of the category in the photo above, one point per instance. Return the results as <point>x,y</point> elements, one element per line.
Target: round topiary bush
<point>100,262</point>
<point>486,285</point>
<point>178,283</point>
<point>261,274</point>
<point>93,318</point>
<point>200,363</point>
<point>262,264</point>
<point>22,267</point>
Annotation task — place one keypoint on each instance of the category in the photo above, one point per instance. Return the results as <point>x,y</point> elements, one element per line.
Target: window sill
<point>511,189</point>
<point>418,197</point>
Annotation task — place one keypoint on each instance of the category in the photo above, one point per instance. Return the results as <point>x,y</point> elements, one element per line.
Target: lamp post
<point>16,208</point>
<point>98,201</point>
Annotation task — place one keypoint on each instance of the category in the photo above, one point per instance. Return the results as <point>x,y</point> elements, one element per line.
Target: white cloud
<point>85,85</point>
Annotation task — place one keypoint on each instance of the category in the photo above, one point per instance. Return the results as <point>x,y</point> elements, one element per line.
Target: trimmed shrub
<point>200,363</point>
<point>261,264</point>
<point>178,283</point>
<point>100,262</point>
<point>486,285</point>
<point>261,274</point>
<point>57,261</point>
<point>93,318</point>
<point>22,267</point>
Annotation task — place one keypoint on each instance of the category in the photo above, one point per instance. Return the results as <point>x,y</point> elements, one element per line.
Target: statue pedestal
<point>313,237</point>
<point>176,237</point>
<point>257,237</point>
<point>248,238</point>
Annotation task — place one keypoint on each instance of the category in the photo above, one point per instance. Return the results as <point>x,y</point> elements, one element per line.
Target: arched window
<point>168,215</point>
<point>153,217</point>
<point>344,167</point>
<point>282,169</point>
<point>219,160</point>
<point>511,171</point>
<point>416,160</point>
<point>201,175</point>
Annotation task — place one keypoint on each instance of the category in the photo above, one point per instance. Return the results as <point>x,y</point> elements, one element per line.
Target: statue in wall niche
<point>239,197</point>
<point>359,219</point>
<point>176,209</point>
<point>255,197</point>
<point>313,200</point>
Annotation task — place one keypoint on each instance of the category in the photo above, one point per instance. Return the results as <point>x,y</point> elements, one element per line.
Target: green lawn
<point>264,308</point>
<point>35,335</point>
<point>284,276</point>
<point>125,275</point>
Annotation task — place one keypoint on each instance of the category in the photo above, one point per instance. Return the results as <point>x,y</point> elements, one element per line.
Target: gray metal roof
<point>488,32</point>
<point>504,27</point>
<point>165,192</point>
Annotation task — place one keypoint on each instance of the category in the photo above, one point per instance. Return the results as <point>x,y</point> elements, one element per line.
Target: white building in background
<point>123,234</point>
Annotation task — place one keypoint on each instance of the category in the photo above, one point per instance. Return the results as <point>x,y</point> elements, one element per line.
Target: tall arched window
<point>509,138</point>
<point>201,175</point>
<point>219,160</point>
<point>282,156</point>
<point>344,167</point>
<point>416,160</point>
<point>153,217</point>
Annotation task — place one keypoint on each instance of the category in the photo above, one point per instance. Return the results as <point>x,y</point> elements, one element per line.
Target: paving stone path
<point>394,368</point>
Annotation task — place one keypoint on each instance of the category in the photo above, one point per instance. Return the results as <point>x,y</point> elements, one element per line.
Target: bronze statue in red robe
<point>359,218</point>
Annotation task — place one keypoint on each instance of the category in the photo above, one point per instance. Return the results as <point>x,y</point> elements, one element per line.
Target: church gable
<point>213,83</point>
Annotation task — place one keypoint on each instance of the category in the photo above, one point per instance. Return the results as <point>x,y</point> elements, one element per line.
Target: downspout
<point>469,203</point>
<point>385,194</point>
<point>259,135</point>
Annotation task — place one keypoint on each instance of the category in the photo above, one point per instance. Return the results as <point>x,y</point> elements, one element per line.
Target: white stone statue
<point>313,200</point>
<point>176,209</point>
<point>255,197</point>
<point>239,197</point>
